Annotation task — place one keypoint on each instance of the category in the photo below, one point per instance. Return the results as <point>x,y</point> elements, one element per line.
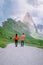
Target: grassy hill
<point>11,27</point>
<point>37,36</point>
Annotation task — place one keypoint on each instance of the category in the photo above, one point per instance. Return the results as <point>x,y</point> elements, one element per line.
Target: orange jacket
<point>16,38</point>
<point>23,37</point>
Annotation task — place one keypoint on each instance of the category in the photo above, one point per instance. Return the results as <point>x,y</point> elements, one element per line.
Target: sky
<point>16,9</point>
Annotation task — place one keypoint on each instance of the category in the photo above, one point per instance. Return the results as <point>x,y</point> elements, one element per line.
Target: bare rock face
<point>29,21</point>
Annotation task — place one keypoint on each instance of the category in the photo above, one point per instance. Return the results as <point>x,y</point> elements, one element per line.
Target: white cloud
<point>40,8</point>
<point>40,2</point>
<point>18,8</point>
<point>24,7</point>
<point>36,20</point>
<point>40,11</point>
<point>1,11</point>
<point>37,11</point>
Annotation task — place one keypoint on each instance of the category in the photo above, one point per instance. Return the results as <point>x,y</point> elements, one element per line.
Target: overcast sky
<point>18,8</point>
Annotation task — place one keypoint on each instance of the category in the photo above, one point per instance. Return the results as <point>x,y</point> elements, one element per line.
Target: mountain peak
<point>27,14</point>
<point>28,18</point>
<point>29,21</point>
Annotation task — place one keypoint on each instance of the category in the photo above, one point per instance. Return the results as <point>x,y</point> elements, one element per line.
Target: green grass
<point>4,42</point>
<point>37,36</point>
<point>10,28</point>
<point>34,43</point>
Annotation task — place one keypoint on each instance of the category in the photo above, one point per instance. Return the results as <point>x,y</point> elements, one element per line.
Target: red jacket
<point>16,38</point>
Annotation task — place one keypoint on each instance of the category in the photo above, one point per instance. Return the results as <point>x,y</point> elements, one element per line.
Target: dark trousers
<point>16,43</point>
<point>22,43</point>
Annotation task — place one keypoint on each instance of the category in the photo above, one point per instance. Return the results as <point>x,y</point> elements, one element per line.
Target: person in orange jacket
<point>22,39</point>
<point>16,38</point>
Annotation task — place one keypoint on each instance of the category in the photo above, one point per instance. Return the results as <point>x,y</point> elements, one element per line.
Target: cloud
<point>37,11</point>
<point>24,7</point>
<point>8,8</point>
<point>18,8</point>
<point>1,11</point>
<point>40,2</point>
<point>32,2</point>
<point>40,11</point>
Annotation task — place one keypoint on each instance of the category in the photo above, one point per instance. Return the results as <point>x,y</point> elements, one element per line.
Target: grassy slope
<point>37,36</point>
<point>11,28</point>
<point>4,42</point>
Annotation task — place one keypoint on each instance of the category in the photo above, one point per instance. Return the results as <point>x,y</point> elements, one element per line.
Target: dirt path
<point>26,55</point>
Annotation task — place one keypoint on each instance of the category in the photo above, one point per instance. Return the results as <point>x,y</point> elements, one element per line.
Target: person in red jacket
<point>16,38</point>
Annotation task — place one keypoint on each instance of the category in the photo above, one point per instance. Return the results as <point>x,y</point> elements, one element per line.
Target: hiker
<point>16,38</point>
<point>22,39</point>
